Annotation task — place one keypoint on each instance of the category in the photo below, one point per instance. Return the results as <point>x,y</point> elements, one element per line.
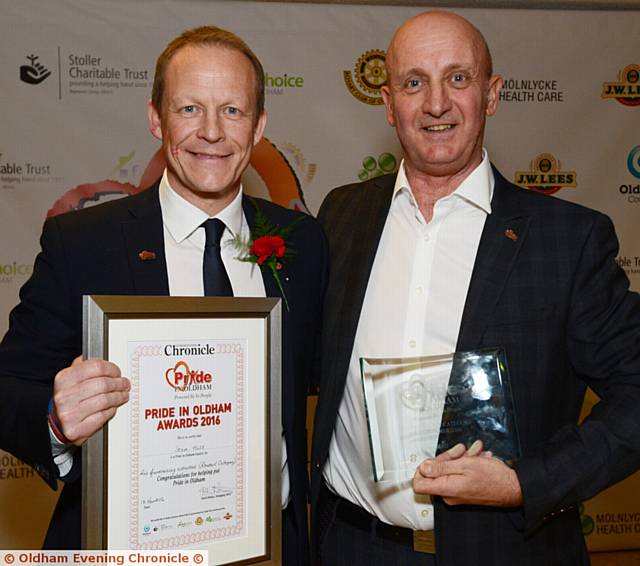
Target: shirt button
<point>424,513</point>
<point>426,237</point>
<point>412,343</point>
<point>419,289</point>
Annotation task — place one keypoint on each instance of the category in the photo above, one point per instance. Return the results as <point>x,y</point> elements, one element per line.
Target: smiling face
<point>208,123</point>
<point>439,94</point>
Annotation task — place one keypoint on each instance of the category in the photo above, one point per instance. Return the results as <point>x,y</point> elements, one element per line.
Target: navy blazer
<point>95,251</point>
<point>554,297</point>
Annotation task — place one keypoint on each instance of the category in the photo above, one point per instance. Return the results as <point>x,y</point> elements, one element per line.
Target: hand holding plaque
<point>419,407</point>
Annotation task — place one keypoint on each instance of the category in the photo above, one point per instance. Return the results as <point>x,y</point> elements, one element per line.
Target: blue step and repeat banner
<point>77,74</point>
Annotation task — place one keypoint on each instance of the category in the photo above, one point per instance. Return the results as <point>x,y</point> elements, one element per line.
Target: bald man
<point>448,256</point>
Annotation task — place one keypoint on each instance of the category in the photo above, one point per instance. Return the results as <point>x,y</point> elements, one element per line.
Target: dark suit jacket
<point>559,304</point>
<point>95,251</point>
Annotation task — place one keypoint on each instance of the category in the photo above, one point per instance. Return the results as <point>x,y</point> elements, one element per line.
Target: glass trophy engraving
<point>419,407</point>
<point>479,405</point>
<point>404,401</point>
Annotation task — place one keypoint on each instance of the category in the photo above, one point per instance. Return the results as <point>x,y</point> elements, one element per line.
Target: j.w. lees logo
<point>545,176</point>
<point>627,90</point>
<point>368,77</point>
<point>181,378</point>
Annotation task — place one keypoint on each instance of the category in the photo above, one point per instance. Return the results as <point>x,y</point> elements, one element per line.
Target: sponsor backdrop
<point>76,76</point>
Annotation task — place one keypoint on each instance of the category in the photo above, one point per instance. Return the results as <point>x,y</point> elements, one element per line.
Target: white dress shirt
<point>184,239</point>
<point>412,307</point>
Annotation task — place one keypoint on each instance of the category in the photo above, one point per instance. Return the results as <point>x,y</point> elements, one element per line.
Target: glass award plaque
<point>419,407</point>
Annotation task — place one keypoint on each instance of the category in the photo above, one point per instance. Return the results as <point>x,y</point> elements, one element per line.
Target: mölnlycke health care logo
<point>531,90</point>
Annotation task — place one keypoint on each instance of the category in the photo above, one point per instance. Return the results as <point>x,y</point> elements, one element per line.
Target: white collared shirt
<point>184,239</point>
<point>412,307</point>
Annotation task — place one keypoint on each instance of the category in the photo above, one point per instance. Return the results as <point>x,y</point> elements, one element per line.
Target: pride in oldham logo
<point>545,176</point>
<point>368,77</point>
<point>35,72</point>
<point>627,90</point>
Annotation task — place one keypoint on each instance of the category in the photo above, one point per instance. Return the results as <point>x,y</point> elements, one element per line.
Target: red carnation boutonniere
<point>268,246</point>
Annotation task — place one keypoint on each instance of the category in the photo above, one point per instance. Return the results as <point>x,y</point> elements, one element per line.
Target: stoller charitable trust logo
<point>35,72</point>
<point>545,176</point>
<point>14,173</point>
<point>368,77</point>
<point>627,89</point>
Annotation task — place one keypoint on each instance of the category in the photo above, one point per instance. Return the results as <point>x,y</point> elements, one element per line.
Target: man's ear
<point>260,126</point>
<point>388,104</point>
<point>155,124</point>
<point>493,94</point>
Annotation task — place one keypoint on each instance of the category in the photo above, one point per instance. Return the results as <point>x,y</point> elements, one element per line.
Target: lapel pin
<point>509,233</point>
<point>146,255</point>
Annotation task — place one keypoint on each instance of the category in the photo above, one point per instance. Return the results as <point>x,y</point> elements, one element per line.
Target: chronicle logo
<point>545,176</point>
<point>370,74</point>
<point>35,72</point>
<point>181,378</point>
<point>627,90</point>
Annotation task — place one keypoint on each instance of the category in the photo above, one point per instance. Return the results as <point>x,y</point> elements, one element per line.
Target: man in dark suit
<point>208,110</point>
<point>450,256</point>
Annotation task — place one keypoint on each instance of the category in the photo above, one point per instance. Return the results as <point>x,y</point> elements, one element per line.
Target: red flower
<point>265,246</point>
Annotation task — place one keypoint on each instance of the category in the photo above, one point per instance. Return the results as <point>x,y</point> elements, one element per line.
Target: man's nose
<point>210,127</point>
<point>437,100</point>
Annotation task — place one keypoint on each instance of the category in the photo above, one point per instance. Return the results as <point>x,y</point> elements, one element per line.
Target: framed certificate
<point>193,460</point>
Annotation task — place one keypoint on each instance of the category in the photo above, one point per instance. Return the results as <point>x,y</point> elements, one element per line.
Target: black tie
<point>214,275</point>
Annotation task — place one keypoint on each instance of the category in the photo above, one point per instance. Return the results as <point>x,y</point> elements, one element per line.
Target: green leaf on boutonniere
<point>267,247</point>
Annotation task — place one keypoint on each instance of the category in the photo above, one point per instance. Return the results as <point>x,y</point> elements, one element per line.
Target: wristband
<point>55,427</point>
